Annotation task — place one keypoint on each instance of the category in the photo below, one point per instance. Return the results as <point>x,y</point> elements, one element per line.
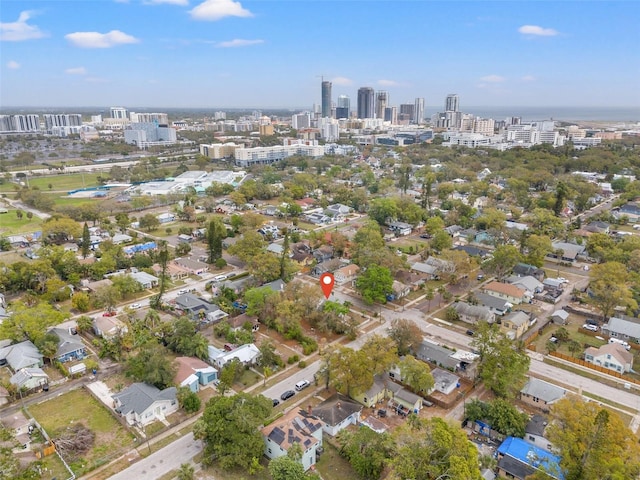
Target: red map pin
<point>326,282</point>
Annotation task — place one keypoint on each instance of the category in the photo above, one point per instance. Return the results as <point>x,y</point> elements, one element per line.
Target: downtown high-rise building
<point>61,120</point>
<point>366,97</point>
<point>326,99</point>
<point>452,103</point>
<point>382,100</point>
<point>418,111</point>
<point>119,113</point>
<point>343,107</point>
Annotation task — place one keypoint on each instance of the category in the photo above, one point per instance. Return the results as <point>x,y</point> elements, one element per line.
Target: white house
<point>246,354</point>
<point>296,427</point>
<point>142,403</point>
<point>612,356</point>
<point>346,274</point>
<point>337,412</point>
<point>444,381</point>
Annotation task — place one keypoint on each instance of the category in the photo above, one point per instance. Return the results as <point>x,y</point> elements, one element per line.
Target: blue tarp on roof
<point>141,247</point>
<point>531,455</point>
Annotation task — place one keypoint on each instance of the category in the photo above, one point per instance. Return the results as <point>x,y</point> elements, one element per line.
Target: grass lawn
<point>247,379</point>
<point>56,468</point>
<point>61,200</point>
<point>332,466</point>
<point>10,224</point>
<point>66,182</point>
<point>78,406</point>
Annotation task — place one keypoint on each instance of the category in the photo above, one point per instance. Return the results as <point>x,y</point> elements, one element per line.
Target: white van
<point>302,385</point>
<point>621,342</point>
<point>219,278</point>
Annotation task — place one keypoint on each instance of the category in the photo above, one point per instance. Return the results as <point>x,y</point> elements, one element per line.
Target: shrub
<point>220,263</point>
<point>293,359</point>
<point>302,364</point>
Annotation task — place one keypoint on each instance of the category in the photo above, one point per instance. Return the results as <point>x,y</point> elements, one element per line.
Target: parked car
<point>480,277</point>
<point>591,328</point>
<point>110,313</point>
<point>135,306</point>
<point>287,395</point>
<point>591,321</point>
<point>182,291</point>
<point>276,402</point>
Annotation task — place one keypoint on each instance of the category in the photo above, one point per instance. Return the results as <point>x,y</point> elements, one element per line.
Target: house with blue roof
<point>519,459</point>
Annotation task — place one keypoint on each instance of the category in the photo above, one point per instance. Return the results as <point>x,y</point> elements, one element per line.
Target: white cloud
<point>100,40</point>
<point>238,42</point>
<point>13,65</point>
<point>96,80</point>
<point>218,9</point>
<point>20,30</point>
<point>388,83</point>
<point>537,31</point>
<point>170,2</point>
<point>76,71</point>
<point>492,79</point>
<point>342,81</point>
<point>528,78</point>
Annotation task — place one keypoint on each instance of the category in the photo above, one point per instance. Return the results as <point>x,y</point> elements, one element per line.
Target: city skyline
<point>226,54</point>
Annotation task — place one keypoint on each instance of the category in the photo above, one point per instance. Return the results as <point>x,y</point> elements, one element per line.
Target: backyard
<point>79,407</point>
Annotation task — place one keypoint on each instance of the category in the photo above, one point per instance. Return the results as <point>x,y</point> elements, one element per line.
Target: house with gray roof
<point>570,251</point>
<point>146,280</point>
<point>29,379</point>
<point>70,347</point>
<point>523,270</point>
<point>199,309</point>
<point>474,313</point>
<point>433,353</point>
<point>444,381</point>
<point>141,403</point>
<point>337,412</point>
<point>623,328</point>
<point>528,283</point>
<point>540,394</point>
<point>426,269</point>
<point>499,306</point>
<point>534,432</point>
<point>560,317</point>
<point>21,355</point>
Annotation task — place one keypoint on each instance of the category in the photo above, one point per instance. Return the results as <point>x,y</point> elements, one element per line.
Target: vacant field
<point>79,406</point>
<point>10,224</point>
<point>65,182</point>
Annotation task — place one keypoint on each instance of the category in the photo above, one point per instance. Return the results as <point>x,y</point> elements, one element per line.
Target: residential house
<point>497,305</point>
<point>166,217</point>
<point>70,247</point>
<point>566,252</point>
<point>246,354</point>
<point>376,393</point>
<point>429,271</point>
<point>337,212</point>
<point>326,266</point>
<point>276,248</point>
<point>622,328</point>
<point>442,266</point>
<point>630,210</point>
<point>400,229</point>
<point>534,432</point>
<point>238,322</point>
<point>145,280</point>
<point>323,253</point>
<point>194,267</point>
<point>552,284</point>
<point>70,347</point>
<point>444,381</point>
<point>199,309</point>
<point>597,227</point>
<point>384,388</point>
<point>141,403</point>
<point>318,218</point>
<point>412,279</point>
<point>454,230</point>
<point>560,317</point>
<point>301,253</point>
<point>29,379</point>
<point>119,238</point>
<point>510,293</point>
<point>295,427</point>
<point>21,355</point>
<point>139,248</point>
<point>612,356</point>
<point>108,327</point>
<point>400,290</point>
<point>474,313</point>
<point>515,324</point>
<point>472,251</point>
<point>173,271</point>
<point>346,274</point>
<point>277,285</point>
<point>523,270</point>
<point>518,459</point>
<point>374,424</point>
<point>540,394</point>
<point>433,353</point>
<point>337,412</point>
<point>184,238</point>
<point>528,283</point>
<point>93,287</point>
<point>193,372</point>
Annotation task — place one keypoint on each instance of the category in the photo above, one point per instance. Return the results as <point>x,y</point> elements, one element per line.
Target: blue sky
<point>223,53</point>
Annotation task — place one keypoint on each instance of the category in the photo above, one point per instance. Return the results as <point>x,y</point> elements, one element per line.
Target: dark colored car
<point>471,333</point>
<point>287,395</point>
<point>276,402</point>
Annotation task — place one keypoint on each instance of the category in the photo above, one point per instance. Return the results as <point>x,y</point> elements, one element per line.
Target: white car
<point>135,306</point>
<point>591,328</point>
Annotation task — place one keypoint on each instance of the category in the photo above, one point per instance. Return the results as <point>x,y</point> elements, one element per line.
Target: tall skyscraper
<point>391,115</point>
<point>382,100</point>
<point>418,111</point>
<point>119,112</point>
<point>452,103</point>
<point>326,99</point>
<point>343,107</point>
<point>365,102</point>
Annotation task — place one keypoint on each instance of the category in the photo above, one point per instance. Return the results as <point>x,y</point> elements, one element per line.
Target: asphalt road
<point>164,460</point>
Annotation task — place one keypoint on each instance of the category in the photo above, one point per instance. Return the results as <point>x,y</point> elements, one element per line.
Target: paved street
<point>164,460</point>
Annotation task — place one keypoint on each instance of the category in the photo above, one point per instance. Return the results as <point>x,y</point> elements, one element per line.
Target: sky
<point>269,54</point>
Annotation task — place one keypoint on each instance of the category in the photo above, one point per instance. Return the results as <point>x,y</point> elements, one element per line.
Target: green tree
<point>30,322</point>
<point>537,246</point>
<point>247,247</point>
<point>81,301</point>
<point>230,430</point>
<point>375,284</point>
<point>286,468</point>
<point>608,285</point>
<point>592,442</point>
<point>149,222</point>
<point>502,367</point>
<point>151,365</point>
<point>406,334</point>
<point>505,257</point>
<point>432,449</point>
<point>85,245</point>
<point>367,451</point>
<point>216,232</point>
<point>416,374</point>
<point>186,472</point>
<point>383,209</point>
<point>441,241</point>
<point>188,400</point>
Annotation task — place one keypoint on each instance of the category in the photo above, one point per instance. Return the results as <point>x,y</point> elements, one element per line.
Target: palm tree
<point>186,472</point>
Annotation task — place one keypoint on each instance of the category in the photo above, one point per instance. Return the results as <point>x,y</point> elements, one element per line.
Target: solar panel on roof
<point>277,435</point>
<point>307,442</point>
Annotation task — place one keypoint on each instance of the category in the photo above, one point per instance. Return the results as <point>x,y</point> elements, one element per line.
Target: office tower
<point>418,111</point>
<point>61,120</point>
<point>408,109</point>
<point>344,105</point>
<point>120,113</point>
<point>301,120</point>
<point>26,123</point>
<point>159,118</point>
<point>452,103</point>
<point>220,115</point>
<point>391,115</point>
<point>365,102</point>
<point>326,99</point>
<point>382,99</point>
